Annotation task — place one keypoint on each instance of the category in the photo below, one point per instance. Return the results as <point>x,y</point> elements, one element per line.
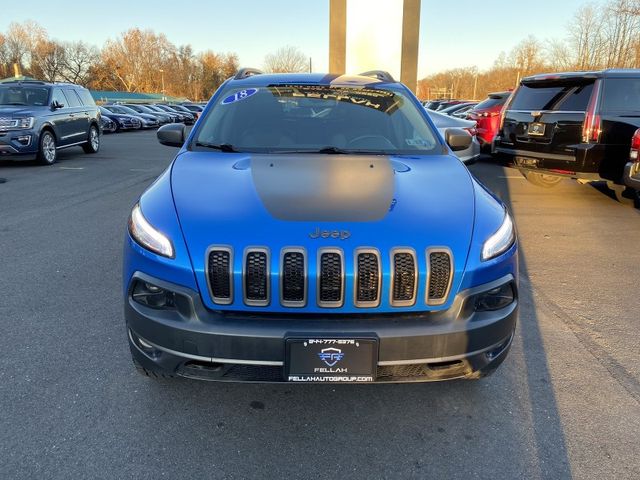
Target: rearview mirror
<point>172,135</point>
<point>457,139</point>
<point>55,105</point>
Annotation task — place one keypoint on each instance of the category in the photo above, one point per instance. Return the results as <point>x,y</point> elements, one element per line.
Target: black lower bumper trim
<point>194,342</point>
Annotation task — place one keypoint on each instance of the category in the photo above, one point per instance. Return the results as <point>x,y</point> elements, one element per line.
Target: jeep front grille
<point>439,275</point>
<point>219,264</point>
<point>293,278</point>
<point>367,278</point>
<point>330,278</point>
<point>367,285</point>
<point>404,280</point>
<point>256,277</point>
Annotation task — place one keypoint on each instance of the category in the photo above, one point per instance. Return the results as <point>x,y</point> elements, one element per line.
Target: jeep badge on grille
<point>341,234</point>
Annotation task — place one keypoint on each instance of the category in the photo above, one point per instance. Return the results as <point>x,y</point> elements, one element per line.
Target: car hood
<point>314,201</point>
<point>16,111</point>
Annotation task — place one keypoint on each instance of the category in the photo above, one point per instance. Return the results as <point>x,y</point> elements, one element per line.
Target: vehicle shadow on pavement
<point>504,426</point>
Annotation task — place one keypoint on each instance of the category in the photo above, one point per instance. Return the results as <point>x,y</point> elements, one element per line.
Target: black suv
<point>38,118</point>
<point>576,124</point>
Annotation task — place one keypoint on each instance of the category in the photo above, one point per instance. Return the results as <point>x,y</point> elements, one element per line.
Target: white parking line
<point>71,168</point>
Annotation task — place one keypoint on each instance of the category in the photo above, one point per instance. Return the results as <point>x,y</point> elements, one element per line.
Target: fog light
<point>152,296</point>
<point>496,298</point>
<point>24,140</point>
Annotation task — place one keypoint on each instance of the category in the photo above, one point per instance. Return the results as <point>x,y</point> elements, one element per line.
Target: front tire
<point>47,153</point>
<point>541,179</point>
<point>93,143</point>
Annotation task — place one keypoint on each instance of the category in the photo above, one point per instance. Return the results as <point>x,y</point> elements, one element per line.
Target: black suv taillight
<point>635,147</point>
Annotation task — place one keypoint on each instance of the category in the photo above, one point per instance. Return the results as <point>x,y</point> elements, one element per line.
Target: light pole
<point>162,76</point>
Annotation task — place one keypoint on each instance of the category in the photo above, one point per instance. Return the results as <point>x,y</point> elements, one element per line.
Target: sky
<point>453,33</point>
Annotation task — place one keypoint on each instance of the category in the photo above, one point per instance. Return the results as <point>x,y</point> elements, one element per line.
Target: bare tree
<point>79,58</point>
<point>587,38</point>
<point>47,60</point>
<point>21,41</point>
<point>286,59</point>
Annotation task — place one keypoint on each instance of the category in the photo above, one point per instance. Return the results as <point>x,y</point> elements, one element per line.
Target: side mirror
<point>55,105</point>
<point>457,139</point>
<point>172,135</point>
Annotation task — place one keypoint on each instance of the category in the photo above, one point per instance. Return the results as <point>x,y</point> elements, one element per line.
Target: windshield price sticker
<point>241,95</point>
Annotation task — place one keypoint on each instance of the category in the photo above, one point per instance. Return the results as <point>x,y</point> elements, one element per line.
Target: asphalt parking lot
<point>566,403</point>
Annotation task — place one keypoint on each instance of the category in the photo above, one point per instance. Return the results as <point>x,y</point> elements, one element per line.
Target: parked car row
<point>130,116</point>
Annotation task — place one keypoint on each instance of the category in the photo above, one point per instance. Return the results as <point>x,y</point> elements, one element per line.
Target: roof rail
<point>35,82</point>
<point>379,74</point>
<point>246,73</point>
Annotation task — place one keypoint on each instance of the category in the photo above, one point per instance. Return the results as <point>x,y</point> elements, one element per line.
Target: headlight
<point>500,241</point>
<point>147,236</point>
<point>26,122</point>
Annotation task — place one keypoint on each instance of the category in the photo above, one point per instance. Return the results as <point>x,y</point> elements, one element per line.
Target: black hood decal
<point>324,187</point>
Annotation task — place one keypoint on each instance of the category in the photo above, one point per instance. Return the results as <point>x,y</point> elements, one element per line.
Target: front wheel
<point>48,153</point>
<point>93,143</point>
<point>541,179</point>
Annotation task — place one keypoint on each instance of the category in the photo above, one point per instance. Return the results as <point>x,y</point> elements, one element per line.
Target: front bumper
<point>194,342</point>
<point>19,144</point>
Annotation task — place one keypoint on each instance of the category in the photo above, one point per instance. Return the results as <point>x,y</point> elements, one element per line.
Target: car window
<point>312,117</point>
<point>72,99</point>
<point>34,96</point>
<point>86,97</point>
<point>116,109</point>
<point>567,97</point>
<point>491,102</point>
<point>621,94</point>
<point>57,96</point>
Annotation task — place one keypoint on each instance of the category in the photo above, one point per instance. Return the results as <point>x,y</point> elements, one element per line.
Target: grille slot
<point>219,276</point>
<point>293,278</point>
<point>404,278</point>
<point>256,277</point>
<point>367,278</point>
<point>439,276</point>
<point>330,278</point>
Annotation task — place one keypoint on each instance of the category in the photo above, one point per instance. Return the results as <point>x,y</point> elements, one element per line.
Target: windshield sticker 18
<point>241,95</point>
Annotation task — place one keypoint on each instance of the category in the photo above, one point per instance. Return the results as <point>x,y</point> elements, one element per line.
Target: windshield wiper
<point>14,103</point>
<point>223,147</point>
<point>332,150</point>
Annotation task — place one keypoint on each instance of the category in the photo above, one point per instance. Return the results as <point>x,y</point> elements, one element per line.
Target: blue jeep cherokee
<point>38,118</point>
<point>317,228</point>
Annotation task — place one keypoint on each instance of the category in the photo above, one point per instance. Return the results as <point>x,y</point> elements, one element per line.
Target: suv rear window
<point>492,101</point>
<point>621,94</point>
<point>566,97</point>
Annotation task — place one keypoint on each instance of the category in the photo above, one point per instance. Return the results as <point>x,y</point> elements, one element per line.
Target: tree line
<point>136,61</point>
<point>600,35</point>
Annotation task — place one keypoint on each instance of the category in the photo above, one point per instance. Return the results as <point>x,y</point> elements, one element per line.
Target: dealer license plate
<point>329,360</point>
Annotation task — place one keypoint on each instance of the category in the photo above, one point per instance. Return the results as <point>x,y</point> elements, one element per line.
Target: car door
<point>77,120</point>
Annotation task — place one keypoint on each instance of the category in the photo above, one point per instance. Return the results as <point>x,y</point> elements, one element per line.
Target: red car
<point>487,115</point>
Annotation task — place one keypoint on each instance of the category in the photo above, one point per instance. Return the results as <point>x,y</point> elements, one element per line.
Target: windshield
<point>21,95</point>
<point>289,118</point>
<point>114,109</point>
